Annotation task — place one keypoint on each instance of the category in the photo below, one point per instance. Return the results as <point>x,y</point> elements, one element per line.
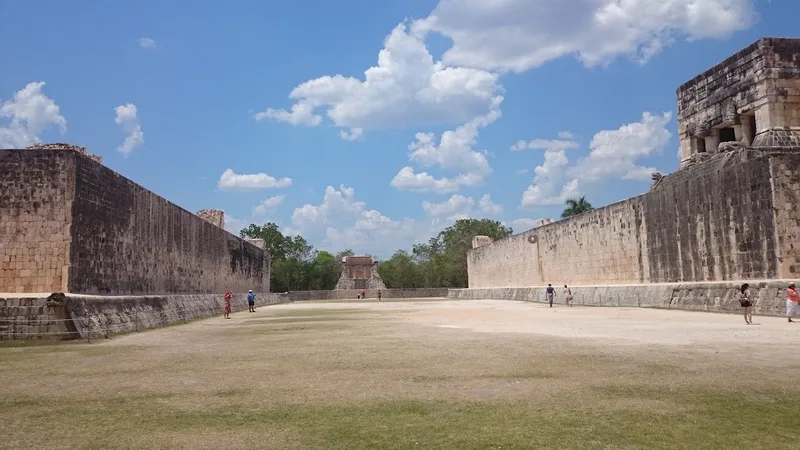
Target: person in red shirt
<point>792,302</point>
<point>228,305</point>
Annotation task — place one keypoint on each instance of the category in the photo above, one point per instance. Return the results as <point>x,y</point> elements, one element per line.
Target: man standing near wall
<point>251,301</point>
<point>550,294</point>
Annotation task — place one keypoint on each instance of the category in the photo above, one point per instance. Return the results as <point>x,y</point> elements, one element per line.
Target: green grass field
<point>372,375</point>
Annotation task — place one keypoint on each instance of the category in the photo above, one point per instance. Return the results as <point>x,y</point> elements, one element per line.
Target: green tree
<point>276,243</point>
<point>443,260</point>
<point>400,271</point>
<point>325,271</point>
<point>576,206</point>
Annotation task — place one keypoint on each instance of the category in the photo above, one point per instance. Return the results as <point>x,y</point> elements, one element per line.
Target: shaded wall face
<point>127,240</point>
<point>712,222</point>
<point>36,189</point>
<point>785,172</point>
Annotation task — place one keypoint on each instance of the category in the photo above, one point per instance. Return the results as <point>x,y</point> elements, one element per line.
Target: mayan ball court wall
<point>122,256</point>
<point>727,216</point>
<point>70,224</point>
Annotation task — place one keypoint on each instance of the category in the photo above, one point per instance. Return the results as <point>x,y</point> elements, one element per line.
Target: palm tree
<point>576,206</point>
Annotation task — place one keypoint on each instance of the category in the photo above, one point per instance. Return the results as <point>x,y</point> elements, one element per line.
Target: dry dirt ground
<point>414,374</point>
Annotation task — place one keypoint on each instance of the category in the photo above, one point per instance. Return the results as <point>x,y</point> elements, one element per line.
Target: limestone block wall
<point>128,240</point>
<point>755,93</point>
<point>513,261</point>
<point>70,224</point>
<point>770,296</point>
<point>731,218</point>
<point>712,222</point>
<point>36,191</point>
<point>603,245</point>
<point>75,316</point>
<point>785,177</point>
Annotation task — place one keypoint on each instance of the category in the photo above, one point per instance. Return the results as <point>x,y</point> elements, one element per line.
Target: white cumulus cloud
<point>29,113</point>
<point>231,181</point>
<point>614,154</point>
<point>461,207</point>
<point>147,43</point>
<point>550,175</point>
<point>267,206</point>
<point>127,116</point>
<point>518,35</point>
<point>354,134</point>
<point>406,88</point>
<point>341,221</point>
<point>455,152</point>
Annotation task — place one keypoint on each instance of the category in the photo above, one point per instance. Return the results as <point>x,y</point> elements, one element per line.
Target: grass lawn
<point>372,375</point>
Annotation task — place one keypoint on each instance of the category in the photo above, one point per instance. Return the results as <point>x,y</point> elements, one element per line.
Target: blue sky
<point>526,101</point>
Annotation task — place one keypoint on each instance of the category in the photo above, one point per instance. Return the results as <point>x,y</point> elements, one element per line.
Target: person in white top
<point>568,295</point>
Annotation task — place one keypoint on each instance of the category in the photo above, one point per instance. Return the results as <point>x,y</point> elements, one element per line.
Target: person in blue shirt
<point>550,294</point>
<point>251,301</point>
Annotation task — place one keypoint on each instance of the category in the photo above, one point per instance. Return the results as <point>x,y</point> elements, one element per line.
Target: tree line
<point>440,262</point>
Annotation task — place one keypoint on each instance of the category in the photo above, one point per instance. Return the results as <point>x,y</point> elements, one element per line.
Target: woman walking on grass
<point>747,306</point>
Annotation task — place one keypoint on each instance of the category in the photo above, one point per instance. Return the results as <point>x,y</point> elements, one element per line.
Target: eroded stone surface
<point>359,272</point>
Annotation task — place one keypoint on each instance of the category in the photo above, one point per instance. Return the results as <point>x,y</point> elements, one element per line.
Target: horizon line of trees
<point>439,263</point>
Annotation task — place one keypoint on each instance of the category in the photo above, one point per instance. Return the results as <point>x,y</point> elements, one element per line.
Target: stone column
<point>712,141</point>
<point>746,132</point>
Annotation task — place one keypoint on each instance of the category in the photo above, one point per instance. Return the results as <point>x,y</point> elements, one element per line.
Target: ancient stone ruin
<point>749,101</point>
<point>728,214</point>
<point>213,216</point>
<point>359,272</point>
<point>65,146</point>
<point>70,224</point>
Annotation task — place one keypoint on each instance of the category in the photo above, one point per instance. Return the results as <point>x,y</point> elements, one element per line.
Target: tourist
<point>379,295</point>
<point>792,302</point>
<point>363,294</point>
<point>550,294</point>
<point>251,301</point>
<point>568,295</point>
<point>747,306</point>
<point>228,305</point>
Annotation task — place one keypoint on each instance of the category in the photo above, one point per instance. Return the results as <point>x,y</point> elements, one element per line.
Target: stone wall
<point>215,217</point>
<point>359,272</point>
<point>36,192</point>
<point>74,316</point>
<point>770,296</point>
<point>70,224</point>
<point>711,222</point>
<point>785,177</point>
<point>127,240</point>
<point>351,294</point>
<point>751,97</point>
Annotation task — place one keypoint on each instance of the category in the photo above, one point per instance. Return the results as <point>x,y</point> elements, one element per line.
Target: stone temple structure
<point>359,272</point>
<point>731,212</point>
<point>750,100</point>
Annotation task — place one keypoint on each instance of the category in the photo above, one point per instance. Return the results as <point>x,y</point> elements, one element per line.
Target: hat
<point>250,291</point>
